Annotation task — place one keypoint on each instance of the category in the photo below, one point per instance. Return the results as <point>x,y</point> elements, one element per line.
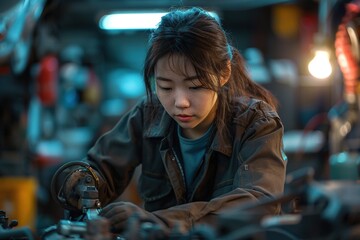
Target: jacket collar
<point>163,127</point>
<point>223,146</point>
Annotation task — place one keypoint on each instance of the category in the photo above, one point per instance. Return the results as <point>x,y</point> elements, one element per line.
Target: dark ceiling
<point>82,12</point>
<point>77,21</point>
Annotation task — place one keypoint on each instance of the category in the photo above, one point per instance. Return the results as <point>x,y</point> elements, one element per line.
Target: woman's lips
<point>183,118</point>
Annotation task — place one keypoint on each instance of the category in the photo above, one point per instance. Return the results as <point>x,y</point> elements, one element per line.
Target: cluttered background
<point>68,71</point>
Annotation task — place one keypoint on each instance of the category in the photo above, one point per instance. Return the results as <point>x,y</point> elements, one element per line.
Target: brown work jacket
<point>247,165</point>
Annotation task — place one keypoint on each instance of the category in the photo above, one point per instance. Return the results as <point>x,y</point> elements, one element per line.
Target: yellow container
<point>18,199</point>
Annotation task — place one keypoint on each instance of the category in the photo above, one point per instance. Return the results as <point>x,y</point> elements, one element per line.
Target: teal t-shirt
<point>192,152</point>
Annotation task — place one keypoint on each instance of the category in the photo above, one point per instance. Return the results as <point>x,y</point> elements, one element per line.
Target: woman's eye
<point>165,88</point>
<point>196,87</point>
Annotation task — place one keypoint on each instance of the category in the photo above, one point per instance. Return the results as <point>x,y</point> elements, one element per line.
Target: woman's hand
<point>119,213</point>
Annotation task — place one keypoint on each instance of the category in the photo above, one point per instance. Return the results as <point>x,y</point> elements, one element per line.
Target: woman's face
<point>184,98</point>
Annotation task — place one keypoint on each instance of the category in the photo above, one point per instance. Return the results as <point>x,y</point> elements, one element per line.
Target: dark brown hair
<point>200,38</point>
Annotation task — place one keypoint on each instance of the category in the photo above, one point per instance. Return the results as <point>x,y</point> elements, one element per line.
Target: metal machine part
<point>327,210</point>
<point>83,183</point>
<point>7,231</point>
<point>88,225</point>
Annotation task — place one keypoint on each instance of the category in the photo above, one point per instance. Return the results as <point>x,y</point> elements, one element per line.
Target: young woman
<point>207,137</point>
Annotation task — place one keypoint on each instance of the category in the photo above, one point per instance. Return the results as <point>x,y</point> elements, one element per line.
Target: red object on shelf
<point>47,80</point>
<point>347,61</point>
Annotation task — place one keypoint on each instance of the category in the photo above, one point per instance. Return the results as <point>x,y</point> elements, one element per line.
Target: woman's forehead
<point>176,63</point>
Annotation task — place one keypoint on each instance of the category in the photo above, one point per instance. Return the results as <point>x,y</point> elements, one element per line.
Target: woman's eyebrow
<point>168,80</point>
<point>190,78</point>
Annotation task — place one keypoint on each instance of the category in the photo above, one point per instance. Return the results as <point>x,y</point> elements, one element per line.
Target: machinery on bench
<point>323,210</point>
<point>89,225</point>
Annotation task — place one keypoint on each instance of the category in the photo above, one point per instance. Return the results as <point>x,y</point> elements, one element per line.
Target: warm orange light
<point>320,66</point>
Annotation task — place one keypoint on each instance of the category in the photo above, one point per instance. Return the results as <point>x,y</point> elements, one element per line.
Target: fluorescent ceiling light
<point>134,21</point>
<point>118,21</point>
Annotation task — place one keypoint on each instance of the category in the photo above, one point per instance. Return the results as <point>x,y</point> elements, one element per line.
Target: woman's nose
<point>182,100</point>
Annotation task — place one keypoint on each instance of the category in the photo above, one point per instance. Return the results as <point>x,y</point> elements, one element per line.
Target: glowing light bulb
<point>320,66</point>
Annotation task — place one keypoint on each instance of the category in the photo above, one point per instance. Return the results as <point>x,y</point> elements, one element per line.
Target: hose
<point>347,61</point>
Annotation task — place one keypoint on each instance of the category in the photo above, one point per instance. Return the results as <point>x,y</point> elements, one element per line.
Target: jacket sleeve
<point>117,153</point>
<point>260,176</point>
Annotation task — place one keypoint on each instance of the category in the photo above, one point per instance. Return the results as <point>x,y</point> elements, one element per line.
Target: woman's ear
<point>227,75</point>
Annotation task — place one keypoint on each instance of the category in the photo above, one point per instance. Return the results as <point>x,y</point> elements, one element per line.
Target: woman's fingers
<point>118,214</point>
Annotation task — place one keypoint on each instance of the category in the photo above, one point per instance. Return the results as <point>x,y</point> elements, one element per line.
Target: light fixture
<point>320,66</point>
<point>134,20</point>
<point>122,21</point>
